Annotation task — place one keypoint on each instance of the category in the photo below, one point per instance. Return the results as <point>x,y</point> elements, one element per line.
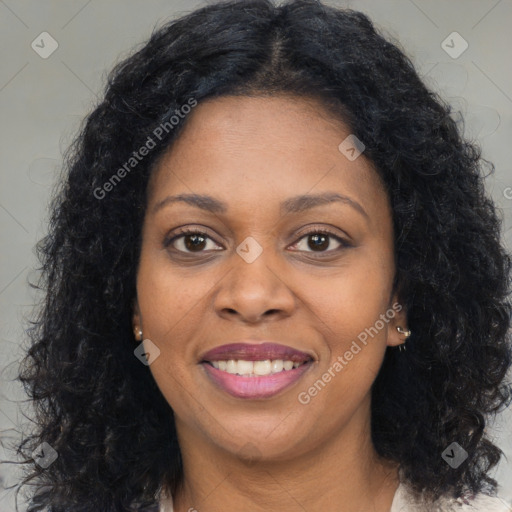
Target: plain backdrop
<point>42,101</point>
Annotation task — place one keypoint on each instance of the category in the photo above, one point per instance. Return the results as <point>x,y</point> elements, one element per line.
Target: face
<point>283,280</point>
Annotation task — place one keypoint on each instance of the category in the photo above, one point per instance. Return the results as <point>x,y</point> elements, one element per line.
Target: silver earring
<point>139,334</point>
<point>406,333</point>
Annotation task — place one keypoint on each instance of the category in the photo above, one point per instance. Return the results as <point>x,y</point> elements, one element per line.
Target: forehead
<point>244,148</point>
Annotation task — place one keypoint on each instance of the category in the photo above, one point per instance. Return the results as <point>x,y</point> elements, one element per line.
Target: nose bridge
<point>251,250</point>
<point>253,285</point>
<point>252,265</point>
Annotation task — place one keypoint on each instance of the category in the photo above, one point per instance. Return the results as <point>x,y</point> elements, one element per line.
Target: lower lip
<point>255,387</point>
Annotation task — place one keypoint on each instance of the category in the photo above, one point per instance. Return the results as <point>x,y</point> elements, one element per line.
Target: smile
<point>255,368</point>
<point>255,371</point>
<point>254,386</point>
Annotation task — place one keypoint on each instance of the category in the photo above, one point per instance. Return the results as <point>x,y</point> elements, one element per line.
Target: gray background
<point>42,102</point>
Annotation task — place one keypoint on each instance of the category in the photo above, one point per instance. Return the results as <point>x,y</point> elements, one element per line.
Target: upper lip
<point>255,352</point>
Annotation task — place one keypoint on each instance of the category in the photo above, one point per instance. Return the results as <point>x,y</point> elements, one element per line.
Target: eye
<point>319,240</point>
<point>193,240</point>
<point>189,240</point>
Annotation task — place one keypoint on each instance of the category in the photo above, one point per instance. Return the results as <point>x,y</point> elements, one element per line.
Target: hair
<point>101,409</point>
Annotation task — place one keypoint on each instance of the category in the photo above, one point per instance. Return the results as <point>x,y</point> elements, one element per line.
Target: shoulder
<point>404,502</point>
<point>483,503</point>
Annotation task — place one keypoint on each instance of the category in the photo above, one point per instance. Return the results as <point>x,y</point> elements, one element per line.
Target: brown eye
<point>194,242</point>
<point>190,241</point>
<point>319,241</point>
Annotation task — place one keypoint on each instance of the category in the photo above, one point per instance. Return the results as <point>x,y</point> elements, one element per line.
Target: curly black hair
<point>102,411</point>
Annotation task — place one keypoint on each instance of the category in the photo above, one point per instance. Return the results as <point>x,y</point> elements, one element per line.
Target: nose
<point>253,292</point>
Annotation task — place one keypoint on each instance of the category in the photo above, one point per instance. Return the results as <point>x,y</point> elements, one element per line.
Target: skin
<point>252,153</point>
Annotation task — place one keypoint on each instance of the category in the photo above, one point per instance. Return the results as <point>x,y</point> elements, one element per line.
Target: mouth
<point>255,371</point>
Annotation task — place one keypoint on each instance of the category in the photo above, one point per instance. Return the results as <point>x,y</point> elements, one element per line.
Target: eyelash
<point>194,231</point>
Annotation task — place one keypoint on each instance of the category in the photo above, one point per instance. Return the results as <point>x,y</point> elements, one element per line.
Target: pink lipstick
<point>255,371</point>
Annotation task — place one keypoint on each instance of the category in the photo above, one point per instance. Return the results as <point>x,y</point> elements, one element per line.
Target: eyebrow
<point>295,204</point>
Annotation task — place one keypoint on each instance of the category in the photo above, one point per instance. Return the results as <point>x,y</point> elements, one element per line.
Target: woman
<point>265,209</point>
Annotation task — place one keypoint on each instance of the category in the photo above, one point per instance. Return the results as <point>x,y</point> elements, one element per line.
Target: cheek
<point>164,302</point>
<point>350,304</point>
<point>353,297</point>
<point>167,297</point>
<point>173,306</point>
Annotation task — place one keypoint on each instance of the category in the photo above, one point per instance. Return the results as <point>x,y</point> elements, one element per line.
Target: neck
<point>345,469</point>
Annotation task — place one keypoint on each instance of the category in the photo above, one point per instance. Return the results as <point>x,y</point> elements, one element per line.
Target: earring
<point>138,333</point>
<point>406,333</point>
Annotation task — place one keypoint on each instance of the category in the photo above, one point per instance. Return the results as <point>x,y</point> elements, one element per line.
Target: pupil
<point>196,244</point>
<point>324,243</point>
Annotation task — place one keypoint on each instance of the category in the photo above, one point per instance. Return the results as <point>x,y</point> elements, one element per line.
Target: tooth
<point>254,368</point>
<point>288,365</point>
<point>277,365</point>
<point>244,367</point>
<point>231,366</point>
<point>262,367</point>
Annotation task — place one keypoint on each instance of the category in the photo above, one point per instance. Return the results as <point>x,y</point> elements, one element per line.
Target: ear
<point>399,319</point>
<point>136,318</point>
